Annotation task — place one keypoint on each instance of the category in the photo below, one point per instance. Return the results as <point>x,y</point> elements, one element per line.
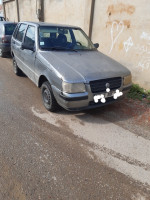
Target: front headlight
<point>127,80</point>
<point>73,87</point>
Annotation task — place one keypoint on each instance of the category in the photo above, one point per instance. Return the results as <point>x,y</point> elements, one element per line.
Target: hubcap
<point>46,96</point>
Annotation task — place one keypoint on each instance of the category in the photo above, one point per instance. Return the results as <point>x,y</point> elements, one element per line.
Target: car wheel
<point>16,69</point>
<point>48,98</point>
<point>1,53</point>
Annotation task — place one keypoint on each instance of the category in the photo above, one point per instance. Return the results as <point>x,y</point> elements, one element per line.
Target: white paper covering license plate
<point>109,94</point>
<point>103,97</point>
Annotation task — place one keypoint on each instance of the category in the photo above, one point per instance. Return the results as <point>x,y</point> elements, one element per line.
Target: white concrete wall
<point>27,10</point>
<point>123,30</point>
<point>11,11</point>
<point>73,12</point>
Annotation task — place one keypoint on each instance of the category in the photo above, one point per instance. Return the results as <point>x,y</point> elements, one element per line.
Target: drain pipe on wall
<point>18,14</point>
<point>40,10</point>
<point>4,10</point>
<point>91,18</point>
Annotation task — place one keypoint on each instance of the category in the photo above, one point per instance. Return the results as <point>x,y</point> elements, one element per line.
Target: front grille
<point>100,85</point>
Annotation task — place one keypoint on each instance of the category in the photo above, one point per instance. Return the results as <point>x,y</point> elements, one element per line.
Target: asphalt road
<point>75,156</point>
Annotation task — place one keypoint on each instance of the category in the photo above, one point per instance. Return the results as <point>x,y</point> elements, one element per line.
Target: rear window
<point>9,29</point>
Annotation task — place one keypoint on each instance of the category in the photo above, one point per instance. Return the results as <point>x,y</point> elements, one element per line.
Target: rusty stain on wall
<point>126,23</point>
<point>121,46</point>
<point>120,8</point>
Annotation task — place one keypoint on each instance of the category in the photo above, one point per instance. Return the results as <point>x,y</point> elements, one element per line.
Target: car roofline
<point>49,24</point>
<point>7,22</point>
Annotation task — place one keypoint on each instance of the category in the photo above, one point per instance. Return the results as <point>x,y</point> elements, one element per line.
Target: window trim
<point>24,32</point>
<point>16,31</point>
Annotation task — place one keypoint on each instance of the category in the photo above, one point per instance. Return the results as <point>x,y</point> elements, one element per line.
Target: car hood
<point>82,65</point>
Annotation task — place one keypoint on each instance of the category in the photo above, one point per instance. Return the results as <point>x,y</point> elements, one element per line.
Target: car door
<point>29,55</point>
<point>17,44</point>
<point>13,39</point>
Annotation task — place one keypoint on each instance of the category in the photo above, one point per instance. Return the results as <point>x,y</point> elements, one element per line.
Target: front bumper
<point>83,101</point>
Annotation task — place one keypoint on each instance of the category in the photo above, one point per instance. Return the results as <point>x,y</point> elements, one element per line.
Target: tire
<point>48,98</point>
<point>16,69</point>
<point>1,53</point>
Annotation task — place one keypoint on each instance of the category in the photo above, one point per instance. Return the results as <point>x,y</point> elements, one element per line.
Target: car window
<point>29,39</point>
<point>80,38</point>
<point>9,29</point>
<point>21,32</point>
<point>62,38</point>
<point>54,36</point>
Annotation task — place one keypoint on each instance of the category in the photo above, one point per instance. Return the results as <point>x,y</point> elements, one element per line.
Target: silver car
<point>67,66</point>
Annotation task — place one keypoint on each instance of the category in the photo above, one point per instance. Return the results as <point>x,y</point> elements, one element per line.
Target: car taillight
<point>5,40</point>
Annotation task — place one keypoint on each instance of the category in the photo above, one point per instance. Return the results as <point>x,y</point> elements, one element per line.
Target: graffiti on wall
<point>116,30</point>
<point>128,44</point>
<point>144,51</point>
<point>145,36</point>
<point>144,63</point>
<point>141,49</point>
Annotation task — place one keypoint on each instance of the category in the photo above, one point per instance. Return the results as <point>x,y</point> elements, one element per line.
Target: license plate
<point>109,94</point>
<point>104,96</point>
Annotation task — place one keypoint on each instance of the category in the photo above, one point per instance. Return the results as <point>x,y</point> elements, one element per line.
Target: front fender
<point>50,74</point>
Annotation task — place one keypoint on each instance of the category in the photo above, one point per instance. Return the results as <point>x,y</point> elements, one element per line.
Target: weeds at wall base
<point>137,92</point>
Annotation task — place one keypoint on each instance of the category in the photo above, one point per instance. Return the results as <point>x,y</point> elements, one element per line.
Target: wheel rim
<point>47,96</point>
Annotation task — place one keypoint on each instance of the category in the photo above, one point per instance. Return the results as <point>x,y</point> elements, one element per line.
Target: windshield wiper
<point>59,48</point>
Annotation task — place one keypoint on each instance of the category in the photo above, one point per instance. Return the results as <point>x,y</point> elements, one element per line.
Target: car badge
<point>107,85</point>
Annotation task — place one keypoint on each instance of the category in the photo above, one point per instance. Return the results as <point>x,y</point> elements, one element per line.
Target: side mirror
<point>96,45</point>
<point>25,46</point>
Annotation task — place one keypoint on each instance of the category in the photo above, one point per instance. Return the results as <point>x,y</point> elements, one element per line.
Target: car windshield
<point>61,38</point>
<point>9,29</point>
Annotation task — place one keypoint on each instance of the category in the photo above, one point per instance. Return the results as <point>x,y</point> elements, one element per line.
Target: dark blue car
<point>6,31</point>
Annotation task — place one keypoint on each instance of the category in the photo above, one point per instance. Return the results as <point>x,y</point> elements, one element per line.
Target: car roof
<point>49,24</point>
<point>7,22</point>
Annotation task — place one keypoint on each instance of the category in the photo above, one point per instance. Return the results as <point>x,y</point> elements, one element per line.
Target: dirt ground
<point>133,115</point>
